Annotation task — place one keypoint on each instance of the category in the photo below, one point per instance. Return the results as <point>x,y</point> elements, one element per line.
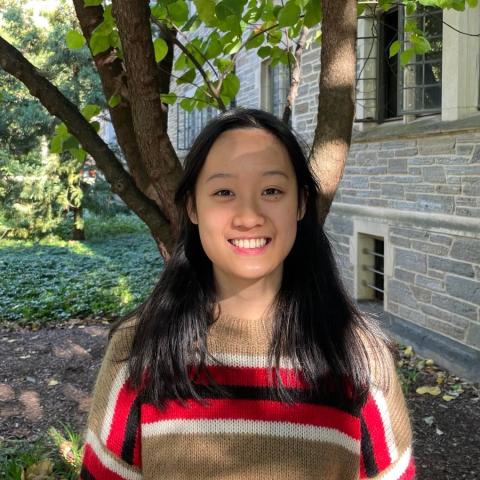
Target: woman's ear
<point>191,210</point>
<point>302,208</point>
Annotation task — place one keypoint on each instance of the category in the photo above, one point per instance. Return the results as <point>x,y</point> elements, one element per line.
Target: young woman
<point>248,360</point>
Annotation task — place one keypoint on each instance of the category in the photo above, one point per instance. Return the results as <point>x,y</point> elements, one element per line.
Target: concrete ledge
<point>456,357</point>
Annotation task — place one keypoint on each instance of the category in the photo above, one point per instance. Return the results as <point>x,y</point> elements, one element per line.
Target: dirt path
<point>46,378</point>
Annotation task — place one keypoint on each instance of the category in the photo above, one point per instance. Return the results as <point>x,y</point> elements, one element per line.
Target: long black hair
<point>316,325</point>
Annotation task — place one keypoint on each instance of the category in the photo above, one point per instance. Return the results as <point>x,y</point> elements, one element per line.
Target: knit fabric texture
<point>249,435</point>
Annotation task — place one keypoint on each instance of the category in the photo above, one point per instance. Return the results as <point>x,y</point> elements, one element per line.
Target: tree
<point>132,44</point>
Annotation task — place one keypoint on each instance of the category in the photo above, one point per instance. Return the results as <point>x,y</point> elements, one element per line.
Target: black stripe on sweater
<point>131,429</point>
<point>367,451</point>
<point>237,392</point>
<point>85,474</point>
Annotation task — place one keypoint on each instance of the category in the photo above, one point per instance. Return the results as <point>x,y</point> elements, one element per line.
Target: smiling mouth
<point>251,243</point>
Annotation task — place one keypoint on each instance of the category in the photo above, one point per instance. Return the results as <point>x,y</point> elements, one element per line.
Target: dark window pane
<point>433,97</point>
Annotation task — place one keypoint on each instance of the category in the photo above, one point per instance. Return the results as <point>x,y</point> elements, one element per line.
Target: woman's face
<point>246,206</point>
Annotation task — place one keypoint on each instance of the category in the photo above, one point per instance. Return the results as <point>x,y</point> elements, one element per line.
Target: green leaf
<point>230,85</point>
<point>114,100</point>
<point>178,11</point>
<point>420,44</point>
<point>187,77</point>
<point>255,40</point>
<point>214,46</point>
<point>472,3</point>
<point>91,110</point>
<point>161,49</point>
<point>411,8</point>
<point>181,63</point>
<point>227,8</point>
<point>188,104</point>
<point>169,98</point>
<point>74,39</point>
<point>61,130</point>
<point>406,55</point>
<point>95,125</point>
<point>274,36</point>
<point>394,48</point>
<point>206,11</point>
<point>159,12</point>
<point>70,142</point>
<point>289,14</point>
<point>223,64</point>
<point>313,14</point>
<point>99,43</point>
<point>264,52</point>
<point>92,3</point>
<point>56,144</point>
<point>78,153</point>
<point>233,45</point>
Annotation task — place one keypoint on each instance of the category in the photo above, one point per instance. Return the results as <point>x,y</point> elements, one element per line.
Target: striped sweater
<point>247,436</point>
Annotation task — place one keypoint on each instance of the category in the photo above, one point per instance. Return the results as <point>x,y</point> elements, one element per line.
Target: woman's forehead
<point>247,148</point>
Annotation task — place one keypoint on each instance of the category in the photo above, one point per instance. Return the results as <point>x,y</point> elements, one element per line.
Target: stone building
<point>405,222</point>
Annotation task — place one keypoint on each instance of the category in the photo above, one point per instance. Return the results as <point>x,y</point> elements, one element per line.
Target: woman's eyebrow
<point>231,175</point>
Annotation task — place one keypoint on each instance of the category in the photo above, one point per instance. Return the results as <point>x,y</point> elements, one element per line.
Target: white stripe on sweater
<point>112,400</point>
<point>252,427</point>
<point>399,468</point>
<point>108,461</point>
<point>387,424</point>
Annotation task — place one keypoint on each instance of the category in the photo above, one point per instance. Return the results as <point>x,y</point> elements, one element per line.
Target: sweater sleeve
<point>386,433</point>
<point>112,449</point>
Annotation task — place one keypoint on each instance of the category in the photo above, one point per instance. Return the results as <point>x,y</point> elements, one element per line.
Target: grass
<point>57,455</point>
<point>54,279</point>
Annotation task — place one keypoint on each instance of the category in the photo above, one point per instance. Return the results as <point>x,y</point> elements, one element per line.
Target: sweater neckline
<point>260,326</point>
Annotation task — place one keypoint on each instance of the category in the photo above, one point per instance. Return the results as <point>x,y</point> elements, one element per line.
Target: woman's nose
<point>248,214</point>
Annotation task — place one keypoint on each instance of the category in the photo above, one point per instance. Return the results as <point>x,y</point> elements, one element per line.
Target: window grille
<point>279,80</point>
<point>373,268</point>
<point>189,125</point>
<point>421,84</point>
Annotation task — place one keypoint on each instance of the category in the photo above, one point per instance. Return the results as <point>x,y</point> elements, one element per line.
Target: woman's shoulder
<point>120,338</point>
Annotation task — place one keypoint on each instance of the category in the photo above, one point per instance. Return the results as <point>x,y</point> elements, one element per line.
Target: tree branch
<point>337,92</point>
<point>13,62</point>
<point>295,75</point>
<point>164,168</point>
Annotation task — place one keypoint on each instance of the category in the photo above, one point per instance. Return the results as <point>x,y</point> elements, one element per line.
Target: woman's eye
<point>223,193</point>
<point>273,191</point>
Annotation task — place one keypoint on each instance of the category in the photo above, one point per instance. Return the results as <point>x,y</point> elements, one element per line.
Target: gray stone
<point>455,160</point>
<point>435,174</point>
<point>464,149</point>
<point>386,154</point>
<point>455,306</point>
<point>421,161</point>
<point>467,249</point>
<point>358,181</point>
<point>419,188</point>
<point>463,288</point>
<point>443,239</point>
<point>400,241</point>
<point>301,108</point>
<point>448,189</point>
<point>463,170</point>
<point>435,273</point>
<point>392,307</point>
<point>409,233</point>
<point>432,203</point>
<point>406,152</point>
<point>436,312</point>
<point>414,171</point>
<point>414,261</point>
<point>397,165</point>
<point>413,315</point>
<point>430,283</point>
<point>342,225</point>
<point>429,248</point>
<point>396,144</point>
<point>473,335</point>
<point>403,275</point>
<point>476,155</point>
<point>365,159</point>
<point>392,190</point>
<point>400,292</point>
<point>450,266</point>
<point>422,294</point>
<point>435,146</point>
<point>378,202</point>
<point>445,328</point>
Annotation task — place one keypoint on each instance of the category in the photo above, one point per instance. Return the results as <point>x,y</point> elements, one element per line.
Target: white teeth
<point>252,243</point>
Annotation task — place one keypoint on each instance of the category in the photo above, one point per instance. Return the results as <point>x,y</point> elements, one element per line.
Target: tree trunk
<point>336,100</point>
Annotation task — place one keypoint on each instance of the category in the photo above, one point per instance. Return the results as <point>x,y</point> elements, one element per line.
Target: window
<point>386,90</point>
<point>189,125</point>
<point>371,271</point>
<point>422,80</point>
<point>275,86</point>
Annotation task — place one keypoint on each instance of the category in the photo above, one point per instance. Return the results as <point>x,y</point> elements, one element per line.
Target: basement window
<point>371,268</point>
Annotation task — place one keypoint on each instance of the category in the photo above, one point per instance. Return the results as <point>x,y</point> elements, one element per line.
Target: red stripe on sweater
<point>96,467</point>
<point>250,377</point>
<point>123,404</point>
<point>263,410</point>
<point>410,471</point>
<point>376,429</point>
<point>363,471</point>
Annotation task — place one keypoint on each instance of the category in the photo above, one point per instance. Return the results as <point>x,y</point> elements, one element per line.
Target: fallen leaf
<point>52,382</point>
<point>428,389</point>
<point>40,470</point>
<point>439,432</point>
<point>408,352</point>
<point>448,398</point>
<point>440,378</point>
<point>428,420</point>
<point>429,362</point>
